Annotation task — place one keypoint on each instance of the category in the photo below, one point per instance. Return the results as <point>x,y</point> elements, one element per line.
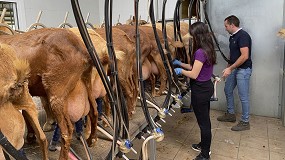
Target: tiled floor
<point>264,141</point>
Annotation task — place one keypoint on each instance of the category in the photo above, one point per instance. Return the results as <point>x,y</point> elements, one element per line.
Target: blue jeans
<point>78,129</point>
<point>240,78</point>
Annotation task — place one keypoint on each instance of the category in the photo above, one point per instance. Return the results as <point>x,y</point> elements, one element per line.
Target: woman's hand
<point>176,62</point>
<point>178,71</point>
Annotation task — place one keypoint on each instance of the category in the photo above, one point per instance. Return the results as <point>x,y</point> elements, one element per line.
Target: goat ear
<point>177,44</point>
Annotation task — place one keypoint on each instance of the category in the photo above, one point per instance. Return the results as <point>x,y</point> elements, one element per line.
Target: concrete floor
<point>264,141</point>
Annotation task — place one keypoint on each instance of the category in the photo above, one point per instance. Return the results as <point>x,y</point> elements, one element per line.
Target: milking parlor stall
<point>94,79</point>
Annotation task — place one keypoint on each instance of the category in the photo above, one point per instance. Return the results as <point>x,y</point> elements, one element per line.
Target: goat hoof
<point>131,113</point>
<point>48,127</point>
<point>92,142</point>
<point>87,134</point>
<point>31,138</point>
<point>105,125</point>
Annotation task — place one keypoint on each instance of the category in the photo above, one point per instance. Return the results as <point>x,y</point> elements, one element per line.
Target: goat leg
<point>31,116</point>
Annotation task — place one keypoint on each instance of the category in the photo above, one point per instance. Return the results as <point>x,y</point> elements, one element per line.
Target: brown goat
<point>15,96</point>
<point>125,54</point>
<point>146,48</point>
<point>61,71</point>
<point>155,59</point>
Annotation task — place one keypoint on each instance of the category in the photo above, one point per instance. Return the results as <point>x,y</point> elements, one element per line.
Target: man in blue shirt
<point>237,73</point>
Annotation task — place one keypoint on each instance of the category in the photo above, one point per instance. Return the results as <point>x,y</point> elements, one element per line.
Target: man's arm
<point>243,57</point>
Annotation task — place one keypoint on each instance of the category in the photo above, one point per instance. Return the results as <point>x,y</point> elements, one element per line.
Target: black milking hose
<point>167,47</point>
<point>151,13</point>
<point>139,68</point>
<point>176,25</point>
<point>190,7</point>
<point>121,111</point>
<point>213,35</point>
<point>116,116</point>
<point>93,54</point>
<point>10,149</point>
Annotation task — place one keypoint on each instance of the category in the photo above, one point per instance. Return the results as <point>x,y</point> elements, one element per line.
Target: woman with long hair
<point>200,71</point>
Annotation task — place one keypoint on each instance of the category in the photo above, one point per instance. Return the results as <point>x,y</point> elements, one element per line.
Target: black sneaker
<point>197,147</point>
<point>200,157</point>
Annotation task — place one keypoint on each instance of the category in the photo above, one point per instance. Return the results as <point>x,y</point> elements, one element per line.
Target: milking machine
<point>177,95</point>
<point>201,4</point>
<point>152,129</point>
<point>119,112</point>
<point>122,110</point>
<point>93,54</point>
<point>158,135</point>
<point>165,106</point>
<point>121,143</point>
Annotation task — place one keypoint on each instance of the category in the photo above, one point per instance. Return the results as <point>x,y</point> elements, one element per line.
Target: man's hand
<point>226,72</point>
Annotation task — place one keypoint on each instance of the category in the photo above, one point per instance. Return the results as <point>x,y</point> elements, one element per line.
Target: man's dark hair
<point>232,20</point>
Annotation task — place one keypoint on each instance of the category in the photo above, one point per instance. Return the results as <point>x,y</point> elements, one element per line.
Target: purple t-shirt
<point>207,69</point>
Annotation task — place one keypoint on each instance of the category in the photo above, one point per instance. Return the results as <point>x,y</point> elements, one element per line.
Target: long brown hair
<point>202,39</point>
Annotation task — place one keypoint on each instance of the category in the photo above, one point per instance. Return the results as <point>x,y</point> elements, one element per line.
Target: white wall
<point>169,11</point>
<point>54,12</point>
<point>262,19</point>
<point>125,8</point>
